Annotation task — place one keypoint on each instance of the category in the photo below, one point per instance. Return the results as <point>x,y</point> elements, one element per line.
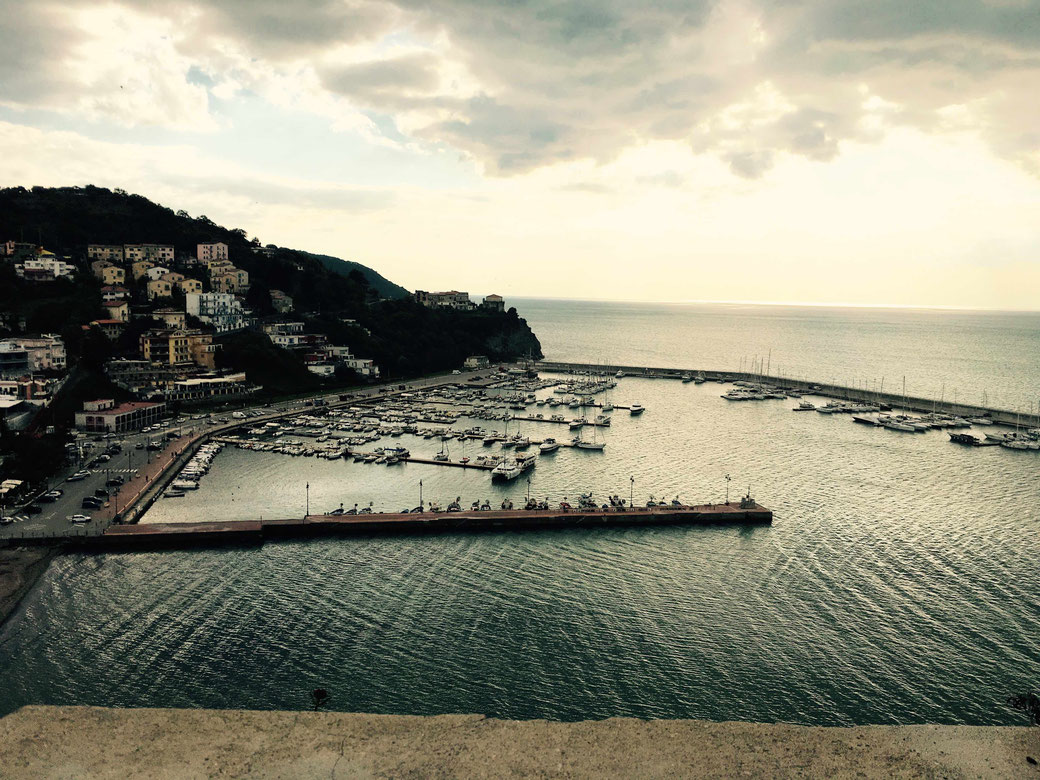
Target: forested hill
<point>351,304</point>
<point>66,219</point>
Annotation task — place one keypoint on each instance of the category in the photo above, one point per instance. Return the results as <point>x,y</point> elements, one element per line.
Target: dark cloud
<point>746,80</point>
<point>368,80</point>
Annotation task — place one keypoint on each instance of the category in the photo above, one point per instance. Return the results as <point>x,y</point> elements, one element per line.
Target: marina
<point>888,547</point>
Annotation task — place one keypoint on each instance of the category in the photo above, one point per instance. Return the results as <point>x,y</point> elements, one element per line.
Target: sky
<point>809,151</point>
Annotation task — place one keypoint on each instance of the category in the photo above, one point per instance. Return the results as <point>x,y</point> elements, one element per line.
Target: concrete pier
<point>259,531</point>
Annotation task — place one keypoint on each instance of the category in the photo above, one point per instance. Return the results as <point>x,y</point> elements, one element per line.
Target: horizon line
<point>793,304</point>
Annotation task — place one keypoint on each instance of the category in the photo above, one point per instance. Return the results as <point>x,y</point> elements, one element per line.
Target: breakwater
<point>828,390</point>
<point>745,512</point>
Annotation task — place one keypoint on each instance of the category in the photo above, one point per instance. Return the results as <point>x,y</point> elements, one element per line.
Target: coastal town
<point>165,312</point>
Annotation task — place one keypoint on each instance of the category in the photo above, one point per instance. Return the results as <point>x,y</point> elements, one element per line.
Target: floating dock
<point>258,531</point>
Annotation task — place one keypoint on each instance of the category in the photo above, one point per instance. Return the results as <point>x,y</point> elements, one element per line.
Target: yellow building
<point>174,319</point>
<point>167,347</point>
<point>140,268</point>
<point>159,288</point>
<point>189,286</point>
<point>107,272</point>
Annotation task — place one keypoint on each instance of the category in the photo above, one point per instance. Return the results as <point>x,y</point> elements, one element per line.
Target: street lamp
<point>631,491</point>
<point>308,500</point>
<point>727,488</point>
<point>420,494</point>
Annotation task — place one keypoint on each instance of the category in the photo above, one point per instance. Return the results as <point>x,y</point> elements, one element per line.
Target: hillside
<point>66,219</point>
<point>383,287</point>
<point>350,304</point>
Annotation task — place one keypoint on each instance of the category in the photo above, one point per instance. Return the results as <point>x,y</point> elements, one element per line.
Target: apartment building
<point>107,272</point>
<point>111,252</point>
<point>157,253</point>
<point>212,251</point>
<point>105,416</point>
<point>221,310</point>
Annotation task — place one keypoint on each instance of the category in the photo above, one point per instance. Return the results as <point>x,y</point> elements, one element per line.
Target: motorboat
<point>636,409</point>
<point>548,445</point>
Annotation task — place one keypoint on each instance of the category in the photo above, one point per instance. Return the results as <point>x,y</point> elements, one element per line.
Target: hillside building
<point>157,253</point>
<point>112,252</point>
<point>105,416</point>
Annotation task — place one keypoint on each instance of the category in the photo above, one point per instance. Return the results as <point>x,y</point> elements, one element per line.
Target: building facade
<point>111,252</point>
<point>105,416</point>
<point>157,253</point>
<point>221,310</point>
<point>450,299</point>
<point>213,251</point>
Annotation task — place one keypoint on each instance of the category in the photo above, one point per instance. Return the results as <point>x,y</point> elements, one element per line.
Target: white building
<point>221,310</point>
<point>45,268</point>
<point>156,272</point>
<point>43,353</point>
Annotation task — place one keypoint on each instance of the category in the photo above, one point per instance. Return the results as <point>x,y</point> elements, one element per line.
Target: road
<point>54,519</point>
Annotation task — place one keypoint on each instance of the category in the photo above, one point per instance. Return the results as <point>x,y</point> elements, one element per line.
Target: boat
<point>687,378</point>
<point>581,444</point>
<point>620,374</point>
<point>184,484</point>
<point>865,420</point>
<point>548,445</point>
<point>636,409</point>
<point>526,462</point>
<point>805,406</point>
<point>965,438</point>
<point>507,470</point>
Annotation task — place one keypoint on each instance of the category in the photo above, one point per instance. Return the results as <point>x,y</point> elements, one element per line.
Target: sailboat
<point>580,442</point>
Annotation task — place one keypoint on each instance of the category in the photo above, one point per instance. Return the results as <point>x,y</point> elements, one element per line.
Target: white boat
<point>506,470</point>
<point>581,444</point>
<point>805,406</point>
<point>184,484</point>
<point>620,374</point>
<point>548,445</point>
<point>636,409</point>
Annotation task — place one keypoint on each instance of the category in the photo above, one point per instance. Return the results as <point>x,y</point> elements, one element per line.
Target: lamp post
<point>727,489</point>
<point>631,491</point>
<point>420,494</point>
<point>308,500</point>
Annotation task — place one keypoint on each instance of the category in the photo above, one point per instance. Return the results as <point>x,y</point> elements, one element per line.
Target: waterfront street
<point>138,467</point>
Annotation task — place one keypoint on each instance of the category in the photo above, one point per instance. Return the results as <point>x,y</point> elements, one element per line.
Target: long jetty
<point>828,390</point>
<point>745,512</point>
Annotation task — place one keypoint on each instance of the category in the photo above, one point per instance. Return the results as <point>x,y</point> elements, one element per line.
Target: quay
<point>116,537</point>
<point>825,389</point>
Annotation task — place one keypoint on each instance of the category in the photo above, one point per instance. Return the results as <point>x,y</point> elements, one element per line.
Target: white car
<point>79,519</point>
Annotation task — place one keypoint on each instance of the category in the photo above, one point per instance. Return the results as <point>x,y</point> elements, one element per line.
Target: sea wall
<point>896,400</point>
<point>98,742</point>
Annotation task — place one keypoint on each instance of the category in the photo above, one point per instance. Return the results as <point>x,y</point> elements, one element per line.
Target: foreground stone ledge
<point>100,742</point>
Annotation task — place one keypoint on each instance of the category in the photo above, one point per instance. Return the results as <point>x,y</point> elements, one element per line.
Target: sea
<point>897,584</point>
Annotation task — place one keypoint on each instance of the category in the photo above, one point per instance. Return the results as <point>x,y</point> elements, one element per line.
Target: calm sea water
<point>898,583</point>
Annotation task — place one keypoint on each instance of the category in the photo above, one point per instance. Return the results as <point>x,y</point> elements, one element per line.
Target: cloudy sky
<point>883,152</point>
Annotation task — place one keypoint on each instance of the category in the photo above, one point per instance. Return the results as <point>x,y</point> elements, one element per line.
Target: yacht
<point>805,406</point>
<point>620,374</point>
<point>506,470</point>
<point>549,445</point>
<point>636,409</point>
<point>581,444</point>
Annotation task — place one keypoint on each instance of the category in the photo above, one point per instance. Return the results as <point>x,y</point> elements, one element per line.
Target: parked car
<point>114,481</point>
<point>33,509</point>
<point>101,493</point>
<point>47,498</point>
<point>90,503</point>
<point>78,476</point>
<point>80,519</point>
<point>6,520</point>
